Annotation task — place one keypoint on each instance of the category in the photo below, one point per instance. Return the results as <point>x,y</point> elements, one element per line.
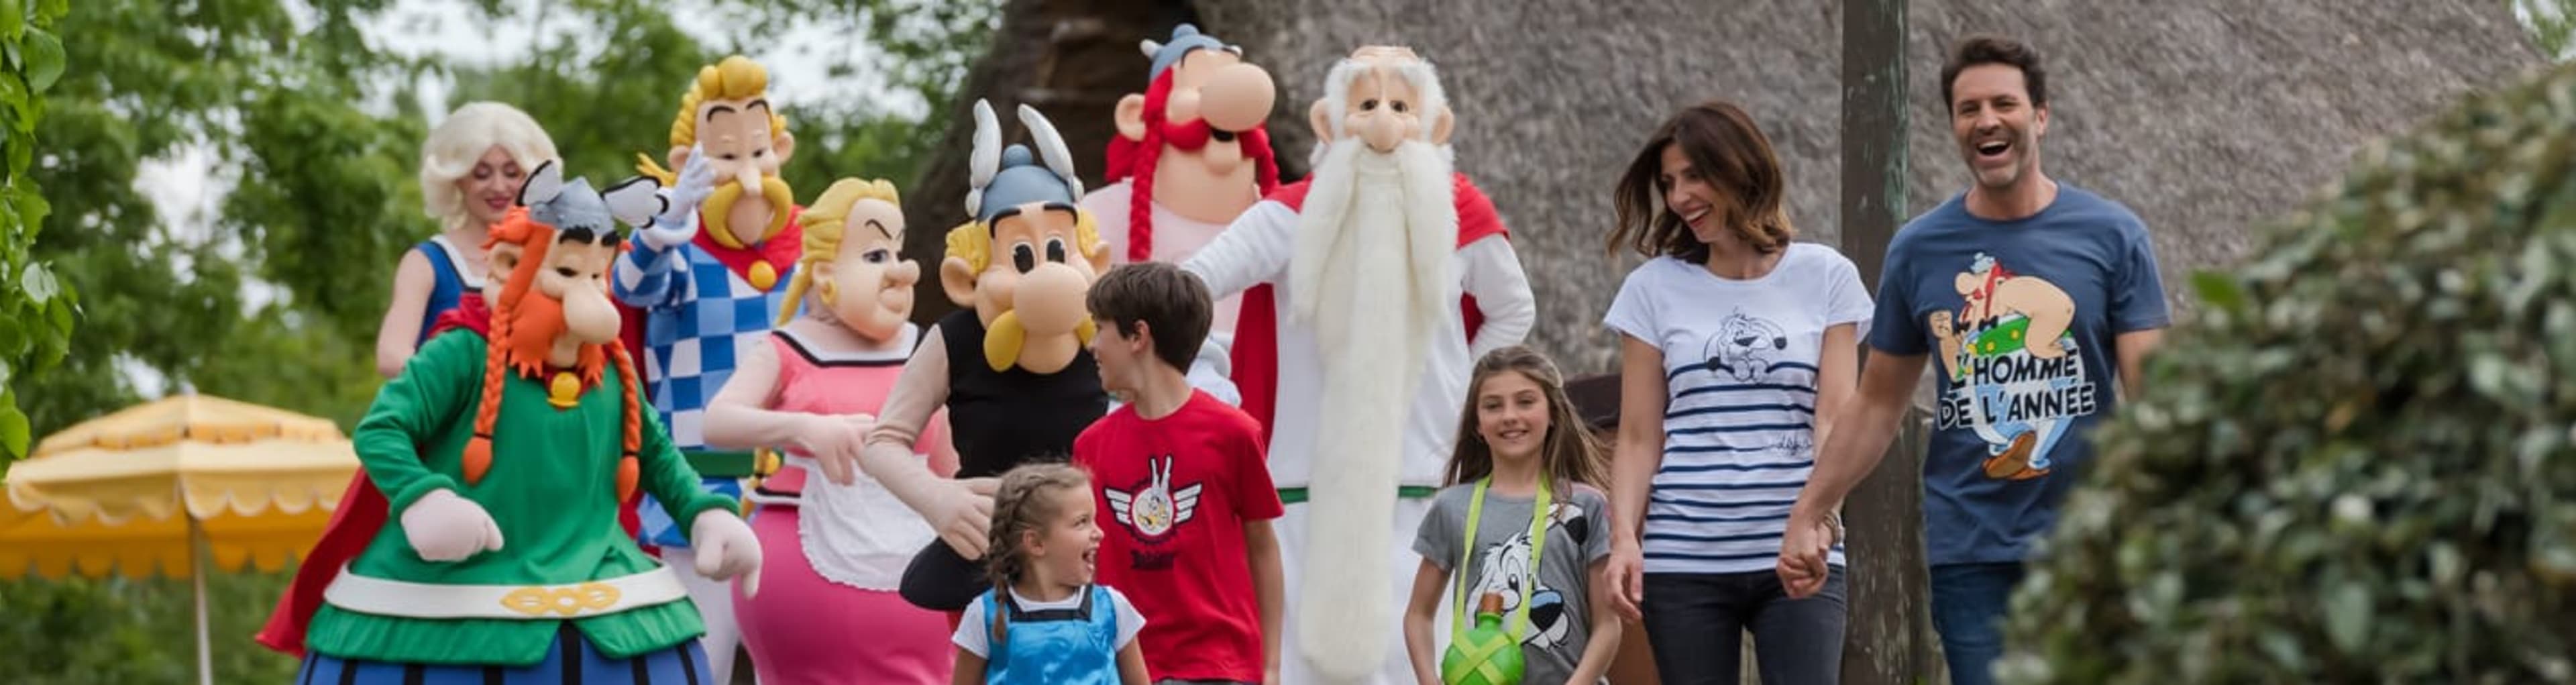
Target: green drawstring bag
<point>1490,652</point>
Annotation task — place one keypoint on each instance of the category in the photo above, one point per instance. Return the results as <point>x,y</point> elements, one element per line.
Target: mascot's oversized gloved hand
<point>961,511</point>
<point>445,527</point>
<point>677,223</point>
<point>726,549</point>
<point>1212,372</point>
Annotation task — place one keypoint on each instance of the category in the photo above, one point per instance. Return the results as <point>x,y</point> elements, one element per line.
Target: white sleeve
<point>974,634</point>
<point>1502,292</point>
<point>1252,251</point>
<point>1632,311</point>
<point>1846,298</point>
<point>1129,621</point>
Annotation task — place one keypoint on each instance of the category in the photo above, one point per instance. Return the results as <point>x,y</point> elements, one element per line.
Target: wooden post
<point>197,579</point>
<point>1889,639</point>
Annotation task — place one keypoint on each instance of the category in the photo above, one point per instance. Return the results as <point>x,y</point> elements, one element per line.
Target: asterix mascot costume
<point>502,453</point>
<point>1012,366</point>
<point>1372,256</point>
<point>709,287</point>
<point>836,552</point>
<point>1190,155</point>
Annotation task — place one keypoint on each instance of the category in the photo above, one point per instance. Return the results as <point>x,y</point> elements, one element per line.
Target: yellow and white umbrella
<point>159,487</point>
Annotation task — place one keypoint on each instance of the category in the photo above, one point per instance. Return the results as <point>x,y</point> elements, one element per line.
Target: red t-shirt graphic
<point>1174,494</point>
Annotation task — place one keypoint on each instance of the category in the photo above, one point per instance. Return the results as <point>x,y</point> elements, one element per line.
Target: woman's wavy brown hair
<point>1724,146</point>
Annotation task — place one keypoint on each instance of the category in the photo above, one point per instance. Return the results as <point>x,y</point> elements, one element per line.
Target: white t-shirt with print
<point>975,636</point>
<point>1740,366</point>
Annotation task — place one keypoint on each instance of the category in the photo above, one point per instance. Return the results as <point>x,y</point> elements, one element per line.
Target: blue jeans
<point>1968,602</point>
<point>1696,621</point>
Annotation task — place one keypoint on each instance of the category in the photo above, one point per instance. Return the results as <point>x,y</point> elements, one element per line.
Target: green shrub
<point>2358,462</point>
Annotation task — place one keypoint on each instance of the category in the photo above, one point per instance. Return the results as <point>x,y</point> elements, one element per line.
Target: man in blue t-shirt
<point>2034,297</point>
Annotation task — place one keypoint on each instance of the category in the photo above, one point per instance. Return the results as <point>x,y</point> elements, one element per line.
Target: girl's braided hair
<point>1020,508</point>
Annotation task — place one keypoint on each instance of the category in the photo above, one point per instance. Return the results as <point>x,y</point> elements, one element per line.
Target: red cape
<point>361,515</point>
<point>1256,329</point>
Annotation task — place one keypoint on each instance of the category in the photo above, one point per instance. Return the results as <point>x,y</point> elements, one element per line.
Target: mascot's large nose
<point>588,316</point>
<point>1050,299</point>
<point>903,274</point>
<point>1237,97</point>
<point>1382,131</point>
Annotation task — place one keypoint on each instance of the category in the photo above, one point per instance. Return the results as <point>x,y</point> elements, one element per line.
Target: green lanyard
<point>1538,543</point>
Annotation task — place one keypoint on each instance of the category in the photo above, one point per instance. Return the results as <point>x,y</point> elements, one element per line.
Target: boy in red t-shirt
<point>1185,496</point>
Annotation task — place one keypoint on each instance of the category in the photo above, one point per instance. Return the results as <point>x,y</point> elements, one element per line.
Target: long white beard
<point>1371,276</point>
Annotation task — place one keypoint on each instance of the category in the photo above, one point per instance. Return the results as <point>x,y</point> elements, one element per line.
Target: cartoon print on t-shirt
<point>2013,376</point>
<point>1153,509</point>
<point>1745,347</point>
<point>1506,567</point>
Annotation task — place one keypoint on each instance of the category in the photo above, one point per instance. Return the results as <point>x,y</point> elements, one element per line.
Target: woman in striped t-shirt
<point>1736,342</point>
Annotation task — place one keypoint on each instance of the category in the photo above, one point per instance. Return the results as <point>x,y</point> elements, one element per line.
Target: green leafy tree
<point>2355,464</point>
<point>316,181</point>
<point>2552,24</point>
<point>272,295</point>
<point>36,308</point>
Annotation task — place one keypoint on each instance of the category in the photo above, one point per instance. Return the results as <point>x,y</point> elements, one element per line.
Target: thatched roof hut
<point>2205,116</point>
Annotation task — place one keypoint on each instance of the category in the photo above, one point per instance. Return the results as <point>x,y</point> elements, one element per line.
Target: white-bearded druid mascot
<point>1371,257</point>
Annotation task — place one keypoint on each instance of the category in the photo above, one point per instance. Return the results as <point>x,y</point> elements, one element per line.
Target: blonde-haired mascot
<point>708,281</point>
<point>1012,367</point>
<point>837,552</point>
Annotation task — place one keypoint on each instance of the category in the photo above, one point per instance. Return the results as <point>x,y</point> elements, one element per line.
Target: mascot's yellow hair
<point>735,78</point>
<point>973,242</point>
<point>823,221</point>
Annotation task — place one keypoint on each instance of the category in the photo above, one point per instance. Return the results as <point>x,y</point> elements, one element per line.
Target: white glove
<point>445,527</point>
<point>1211,370</point>
<point>678,223</point>
<point>726,549</point>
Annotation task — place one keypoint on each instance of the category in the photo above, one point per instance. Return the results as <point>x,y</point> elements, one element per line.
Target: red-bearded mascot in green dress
<point>500,455</point>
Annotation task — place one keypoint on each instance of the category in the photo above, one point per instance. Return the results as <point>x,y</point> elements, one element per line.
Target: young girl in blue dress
<point>1056,627</point>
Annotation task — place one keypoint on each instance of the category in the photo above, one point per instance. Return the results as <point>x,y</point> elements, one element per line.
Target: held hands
<point>1627,576</point>
<point>823,435</point>
<point>1803,553</point>
<point>678,222</point>
<point>726,549</point>
<point>445,527</point>
<point>838,443</point>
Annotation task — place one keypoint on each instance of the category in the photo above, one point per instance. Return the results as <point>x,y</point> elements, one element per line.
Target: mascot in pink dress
<point>828,612</point>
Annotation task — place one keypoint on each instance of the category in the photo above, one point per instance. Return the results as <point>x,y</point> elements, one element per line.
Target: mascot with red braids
<point>483,545</point>
<point>1393,275</point>
<point>1191,154</point>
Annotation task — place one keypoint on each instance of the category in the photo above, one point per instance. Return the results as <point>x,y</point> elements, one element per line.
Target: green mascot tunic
<point>552,489</point>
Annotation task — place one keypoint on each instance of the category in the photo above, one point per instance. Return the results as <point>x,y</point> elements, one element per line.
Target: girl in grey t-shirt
<point>1519,442</point>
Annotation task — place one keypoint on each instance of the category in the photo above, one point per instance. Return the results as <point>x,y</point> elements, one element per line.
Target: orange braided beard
<point>525,325</point>
<point>535,321</point>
